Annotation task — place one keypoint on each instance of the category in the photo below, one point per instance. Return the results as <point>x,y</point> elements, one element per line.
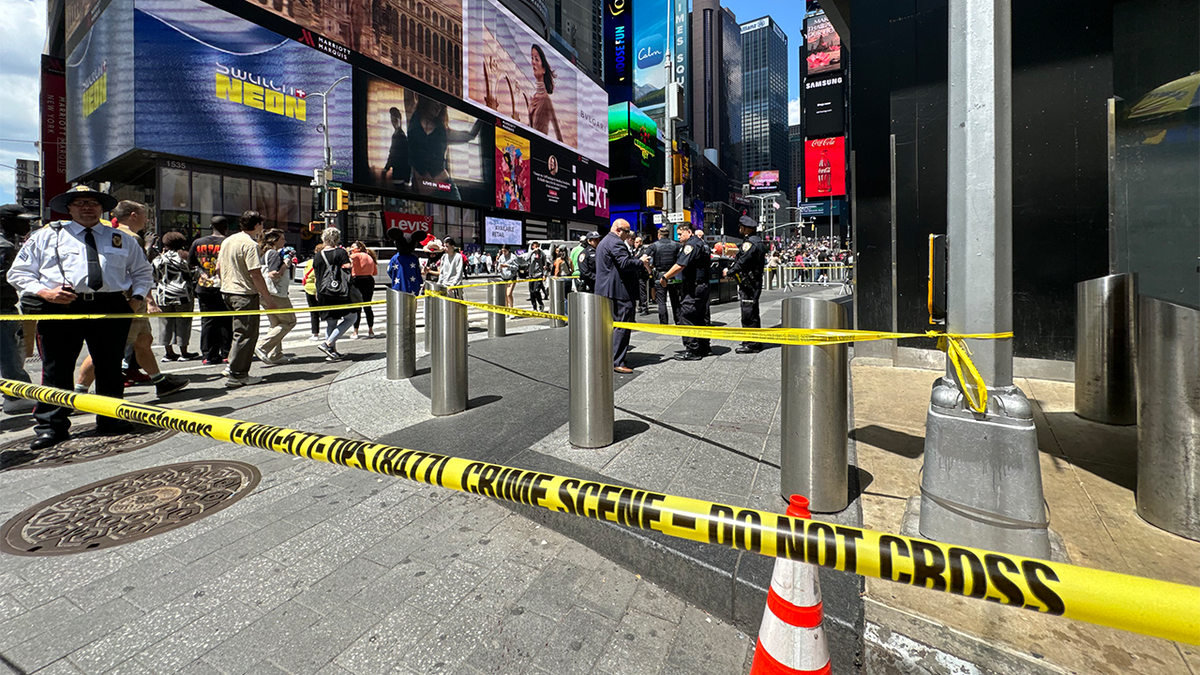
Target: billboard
<point>412,143</point>
<point>216,87</point>
<point>824,107</point>
<point>680,48</point>
<point>79,16</point>
<point>512,171</point>
<point>625,120</point>
<point>422,40</point>
<point>591,191</point>
<point>652,38</point>
<point>407,222</point>
<point>53,132</point>
<point>552,179</point>
<point>764,181</point>
<point>618,63</point>
<point>822,45</point>
<point>511,71</point>
<point>100,91</point>
<point>825,167</point>
<point>502,231</point>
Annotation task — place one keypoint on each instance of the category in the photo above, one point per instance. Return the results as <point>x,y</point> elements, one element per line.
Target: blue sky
<point>790,17</point>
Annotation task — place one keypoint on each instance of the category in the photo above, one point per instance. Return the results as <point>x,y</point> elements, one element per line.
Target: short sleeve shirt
<point>694,260</point>
<point>239,255</point>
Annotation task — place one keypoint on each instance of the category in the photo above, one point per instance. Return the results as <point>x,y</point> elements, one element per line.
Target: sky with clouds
<point>22,37</point>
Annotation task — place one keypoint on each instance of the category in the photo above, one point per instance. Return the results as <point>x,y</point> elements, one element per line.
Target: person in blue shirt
<point>404,269</point>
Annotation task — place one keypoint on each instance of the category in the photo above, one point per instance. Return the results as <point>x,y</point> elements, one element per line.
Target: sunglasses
<point>85,202</point>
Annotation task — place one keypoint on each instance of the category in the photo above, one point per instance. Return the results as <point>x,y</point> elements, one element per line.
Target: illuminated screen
<point>512,171</point>
<point>213,86</point>
<point>764,181</point>
<point>626,120</point>
<point>100,91</point>
<point>520,77</point>
<point>822,45</point>
<point>501,231</point>
<point>418,145</point>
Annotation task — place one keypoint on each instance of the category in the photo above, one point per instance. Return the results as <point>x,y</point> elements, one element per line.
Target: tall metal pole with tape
<point>982,483</point>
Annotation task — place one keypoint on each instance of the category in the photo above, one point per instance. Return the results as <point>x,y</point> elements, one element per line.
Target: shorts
<point>139,327</point>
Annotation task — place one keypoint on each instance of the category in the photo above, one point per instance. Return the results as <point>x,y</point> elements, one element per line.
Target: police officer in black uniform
<point>663,254</point>
<point>692,267</point>
<point>747,269</point>
<point>587,262</point>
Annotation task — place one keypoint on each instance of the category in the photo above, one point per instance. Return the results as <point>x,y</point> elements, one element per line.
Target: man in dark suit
<point>617,276</point>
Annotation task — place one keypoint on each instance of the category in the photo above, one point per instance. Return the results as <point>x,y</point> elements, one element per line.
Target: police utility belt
<point>32,304</point>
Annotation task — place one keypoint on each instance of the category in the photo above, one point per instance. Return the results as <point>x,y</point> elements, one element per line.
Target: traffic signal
<point>343,200</point>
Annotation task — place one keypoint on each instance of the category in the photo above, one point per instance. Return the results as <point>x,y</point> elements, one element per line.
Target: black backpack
<point>333,286</point>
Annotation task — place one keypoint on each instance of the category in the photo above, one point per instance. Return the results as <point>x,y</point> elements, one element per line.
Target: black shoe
<point>112,427</point>
<point>748,350</point>
<point>169,384</point>
<point>689,356</point>
<point>47,439</point>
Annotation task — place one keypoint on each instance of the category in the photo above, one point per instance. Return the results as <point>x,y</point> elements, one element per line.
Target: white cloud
<point>22,36</point>
<point>794,111</point>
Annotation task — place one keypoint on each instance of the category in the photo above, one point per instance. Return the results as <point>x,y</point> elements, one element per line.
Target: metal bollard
<point>813,459</point>
<point>1168,375</point>
<point>1105,331</point>
<point>558,300</point>
<point>448,366</point>
<point>401,335</point>
<point>589,340</point>
<point>496,321</point>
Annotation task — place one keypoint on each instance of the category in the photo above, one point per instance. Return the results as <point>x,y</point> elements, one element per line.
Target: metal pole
<point>401,335</point>
<point>558,301</point>
<point>813,456</point>
<point>982,481</point>
<point>589,340</point>
<point>448,393</point>
<point>496,321</point>
<point>430,311</point>
<point>1105,335</point>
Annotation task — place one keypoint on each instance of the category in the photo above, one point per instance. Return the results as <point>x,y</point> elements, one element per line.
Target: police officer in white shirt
<point>80,266</point>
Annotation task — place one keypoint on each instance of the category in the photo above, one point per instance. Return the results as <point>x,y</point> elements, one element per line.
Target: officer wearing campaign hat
<point>747,269</point>
<point>80,266</point>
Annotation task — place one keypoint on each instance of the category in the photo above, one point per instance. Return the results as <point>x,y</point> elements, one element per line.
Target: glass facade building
<point>765,99</point>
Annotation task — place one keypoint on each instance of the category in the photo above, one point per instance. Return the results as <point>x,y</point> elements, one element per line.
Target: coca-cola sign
<point>825,167</point>
<point>407,222</point>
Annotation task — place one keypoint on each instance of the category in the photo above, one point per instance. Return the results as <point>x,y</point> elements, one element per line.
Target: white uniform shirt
<point>53,252</point>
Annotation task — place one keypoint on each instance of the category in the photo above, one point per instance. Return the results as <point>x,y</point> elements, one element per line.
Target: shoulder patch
<point>118,241</point>
<point>687,249</point>
<point>746,246</point>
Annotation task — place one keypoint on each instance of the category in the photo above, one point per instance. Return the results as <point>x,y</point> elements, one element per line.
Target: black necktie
<point>95,274</point>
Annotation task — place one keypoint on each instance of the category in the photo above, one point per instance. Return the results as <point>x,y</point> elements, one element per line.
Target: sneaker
<point>135,377</point>
<point>226,372</point>
<point>169,384</point>
<point>262,355</point>
<point>353,335</point>
<point>315,338</point>
<point>213,362</point>
<point>331,354</point>
<point>246,380</point>
<point>169,358</point>
<point>188,357</point>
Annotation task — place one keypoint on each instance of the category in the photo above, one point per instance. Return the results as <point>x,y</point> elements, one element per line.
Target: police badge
<point>746,246</point>
<point>687,249</point>
<point>118,241</point>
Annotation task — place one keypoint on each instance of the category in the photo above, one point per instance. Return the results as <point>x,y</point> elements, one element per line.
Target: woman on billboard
<point>540,107</point>
<point>429,139</point>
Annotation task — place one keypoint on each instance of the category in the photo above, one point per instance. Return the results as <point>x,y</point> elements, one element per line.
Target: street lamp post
<point>321,180</point>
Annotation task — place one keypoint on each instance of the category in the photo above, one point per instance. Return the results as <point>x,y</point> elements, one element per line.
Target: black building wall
<point>1062,76</point>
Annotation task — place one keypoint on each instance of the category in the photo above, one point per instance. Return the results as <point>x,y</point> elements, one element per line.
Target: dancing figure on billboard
<point>397,161</point>
<point>429,139</point>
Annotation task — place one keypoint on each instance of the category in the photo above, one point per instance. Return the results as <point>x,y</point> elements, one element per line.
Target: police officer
<point>692,267</point>
<point>663,254</point>
<point>80,266</point>
<point>587,262</point>
<point>747,269</point>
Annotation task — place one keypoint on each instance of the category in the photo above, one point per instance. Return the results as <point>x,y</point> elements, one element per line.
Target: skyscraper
<point>795,161</point>
<point>765,99</point>
<point>716,86</point>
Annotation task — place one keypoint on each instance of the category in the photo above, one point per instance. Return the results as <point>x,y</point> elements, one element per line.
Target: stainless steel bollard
<point>401,335</point>
<point>448,366</point>
<point>1168,374</point>
<point>558,301</point>
<point>1105,330</point>
<point>496,321</point>
<point>813,459</point>
<point>430,286</point>
<point>590,339</point>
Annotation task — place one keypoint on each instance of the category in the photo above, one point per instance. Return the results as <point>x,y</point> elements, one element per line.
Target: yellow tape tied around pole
<point>1148,606</point>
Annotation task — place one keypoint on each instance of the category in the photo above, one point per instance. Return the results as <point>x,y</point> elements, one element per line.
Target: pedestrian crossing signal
<point>343,200</point>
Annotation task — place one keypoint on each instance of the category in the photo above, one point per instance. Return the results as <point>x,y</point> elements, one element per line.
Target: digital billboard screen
<point>650,31</point>
<point>625,120</point>
<point>824,107</point>
<point>822,45</point>
<point>764,181</point>
<point>502,231</point>
<point>514,73</point>
<point>825,167</point>
<point>216,87</point>
<point>591,191</point>
<point>412,143</point>
<point>552,179</point>
<point>512,170</point>
<point>100,91</point>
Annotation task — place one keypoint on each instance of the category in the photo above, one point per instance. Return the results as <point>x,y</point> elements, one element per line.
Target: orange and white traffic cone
<point>791,640</point>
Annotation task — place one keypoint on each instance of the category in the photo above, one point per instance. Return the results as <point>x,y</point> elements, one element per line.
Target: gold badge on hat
<point>117,240</point>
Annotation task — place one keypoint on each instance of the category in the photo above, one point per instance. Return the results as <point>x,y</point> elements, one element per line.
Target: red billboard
<point>825,167</point>
<point>407,222</point>
<point>54,132</point>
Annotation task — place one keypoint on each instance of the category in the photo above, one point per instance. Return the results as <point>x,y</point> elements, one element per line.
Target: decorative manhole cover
<point>85,445</point>
<point>128,507</point>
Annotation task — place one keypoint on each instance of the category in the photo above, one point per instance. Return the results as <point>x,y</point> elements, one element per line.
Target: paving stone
<point>576,644</point>
<point>511,645</point>
<point>180,582</point>
<point>384,645</point>
<point>652,600</point>
<point>609,591</point>
<point>200,668</point>
<point>71,634</point>
<point>60,667</point>
<point>129,667</point>
<point>445,587</point>
<point>704,645</point>
<point>330,593</point>
<point>639,644</point>
<point>390,592</point>
<point>556,589</point>
<point>450,641</point>
<point>325,639</point>
<point>278,630</point>
<point>187,644</point>
<point>42,619</point>
<point>115,648</point>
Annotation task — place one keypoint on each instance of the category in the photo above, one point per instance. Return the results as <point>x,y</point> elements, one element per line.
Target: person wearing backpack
<point>332,269</point>
<point>174,291</point>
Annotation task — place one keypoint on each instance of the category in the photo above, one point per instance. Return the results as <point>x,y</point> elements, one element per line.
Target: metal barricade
<point>448,365</point>
<point>497,326</point>
<point>813,455</point>
<point>558,300</point>
<point>430,286</point>
<point>590,340</point>
<point>401,334</point>
<point>1105,330</point>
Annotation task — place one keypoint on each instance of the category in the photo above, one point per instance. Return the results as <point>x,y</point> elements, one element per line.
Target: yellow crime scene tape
<point>1148,606</point>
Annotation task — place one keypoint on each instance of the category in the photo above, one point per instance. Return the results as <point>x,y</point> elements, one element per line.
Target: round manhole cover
<point>128,507</point>
<point>85,445</point>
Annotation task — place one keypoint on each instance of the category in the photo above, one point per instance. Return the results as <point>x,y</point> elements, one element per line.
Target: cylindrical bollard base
<point>448,364</point>
<point>590,336</point>
<point>497,327</point>
<point>1105,331</point>
<point>813,456</point>
<point>429,311</point>
<point>558,301</point>
<point>401,335</point>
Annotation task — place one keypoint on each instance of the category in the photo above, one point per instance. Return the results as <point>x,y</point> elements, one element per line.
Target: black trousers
<point>748,295</point>
<point>366,286</point>
<point>61,342</point>
<point>623,310</point>
<point>644,295</point>
<point>537,293</point>
<point>662,295</point>
<point>216,332</point>
<point>692,312</point>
